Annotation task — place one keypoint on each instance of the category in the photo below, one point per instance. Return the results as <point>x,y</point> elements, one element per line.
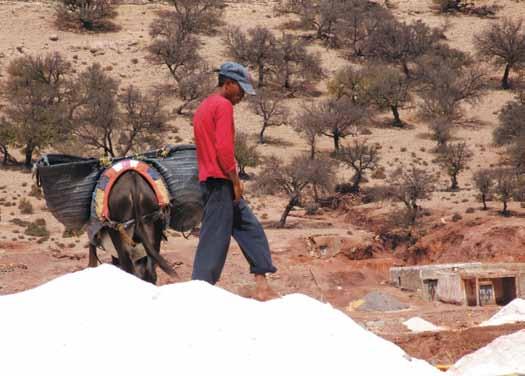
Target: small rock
<point>53,38</point>
<point>20,49</point>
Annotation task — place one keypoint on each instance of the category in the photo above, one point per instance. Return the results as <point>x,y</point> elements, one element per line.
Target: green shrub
<point>39,231</point>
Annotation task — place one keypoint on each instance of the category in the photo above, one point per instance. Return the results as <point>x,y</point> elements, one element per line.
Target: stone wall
<point>450,289</point>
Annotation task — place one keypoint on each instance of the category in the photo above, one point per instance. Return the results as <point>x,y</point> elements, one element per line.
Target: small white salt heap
<point>419,325</point>
<point>511,313</point>
<point>103,321</point>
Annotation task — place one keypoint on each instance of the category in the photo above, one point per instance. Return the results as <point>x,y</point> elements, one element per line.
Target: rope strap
<point>122,227</point>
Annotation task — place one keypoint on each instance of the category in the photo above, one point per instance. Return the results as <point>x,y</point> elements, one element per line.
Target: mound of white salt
<point>103,321</point>
<point>503,356</point>
<point>511,313</point>
<point>419,325</point>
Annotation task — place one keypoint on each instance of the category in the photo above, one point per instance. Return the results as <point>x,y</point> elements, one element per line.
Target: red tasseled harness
<point>111,175</point>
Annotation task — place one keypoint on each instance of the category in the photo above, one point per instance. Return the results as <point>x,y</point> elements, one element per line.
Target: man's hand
<point>238,187</point>
<point>238,190</point>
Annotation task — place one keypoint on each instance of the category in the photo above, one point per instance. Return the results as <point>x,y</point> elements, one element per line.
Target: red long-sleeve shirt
<point>214,131</point>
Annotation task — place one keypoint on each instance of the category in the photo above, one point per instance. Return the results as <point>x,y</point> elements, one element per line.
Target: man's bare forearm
<point>234,177</point>
<point>237,185</point>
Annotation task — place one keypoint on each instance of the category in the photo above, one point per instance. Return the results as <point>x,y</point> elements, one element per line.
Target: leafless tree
<point>360,157</point>
<point>505,186</point>
<point>348,82</point>
<point>504,43</point>
<point>94,110</point>
<point>483,180</point>
<point>173,47</point>
<point>294,65</point>
<point>177,49</point>
<point>309,126</point>
<point>400,43</point>
<point>332,13</point>
<point>35,92</point>
<point>441,128</point>
<point>100,119</point>
<point>516,155</point>
<point>245,154</point>
<point>441,54</point>
<point>410,185</point>
<point>338,119</point>
<point>143,121</point>
<point>198,16</point>
<point>293,178</point>
<point>445,6</point>
<point>379,86</point>
<point>360,21</point>
<point>256,47</point>
<point>7,138</point>
<point>340,23</point>
<point>386,88</point>
<point>511,123</point>
<point>307,10</point>
<point>319,15</point>
<point>270,108</point>
<point>90,14</point>
<point>454,158</point>
<point>466,7</point>
<point>444,85</point>
<point>198,82</point>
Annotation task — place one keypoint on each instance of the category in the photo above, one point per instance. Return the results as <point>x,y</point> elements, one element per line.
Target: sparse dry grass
<point>25,206</point>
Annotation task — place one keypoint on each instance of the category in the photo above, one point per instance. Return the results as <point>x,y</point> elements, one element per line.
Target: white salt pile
<point>105,322</point>
<point>511,313</point>
<point>419,325</point>
<point>503,356</point>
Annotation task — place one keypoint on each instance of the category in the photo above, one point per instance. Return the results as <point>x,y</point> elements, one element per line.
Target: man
<point>226,214</point>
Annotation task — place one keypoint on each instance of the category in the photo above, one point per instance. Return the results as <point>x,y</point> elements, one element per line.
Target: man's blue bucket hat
<point>239,73</point>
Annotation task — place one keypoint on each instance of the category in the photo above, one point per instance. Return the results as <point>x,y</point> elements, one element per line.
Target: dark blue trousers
<point>221,220</point>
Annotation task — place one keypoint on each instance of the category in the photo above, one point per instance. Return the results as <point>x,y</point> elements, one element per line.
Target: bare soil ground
<point>445,348</point>
<point>340,276</point>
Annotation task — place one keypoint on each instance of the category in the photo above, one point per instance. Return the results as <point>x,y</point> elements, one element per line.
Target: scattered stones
<point>11,267</point>
<point>375,325</point>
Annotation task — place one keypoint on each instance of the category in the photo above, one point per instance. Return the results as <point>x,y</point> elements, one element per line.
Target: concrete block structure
<point>472,284</point>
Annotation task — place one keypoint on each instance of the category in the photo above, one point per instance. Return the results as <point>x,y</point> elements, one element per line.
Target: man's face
<point>234,92</point>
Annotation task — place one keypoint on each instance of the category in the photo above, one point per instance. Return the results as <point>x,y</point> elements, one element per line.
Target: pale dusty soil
<point>337,279</point>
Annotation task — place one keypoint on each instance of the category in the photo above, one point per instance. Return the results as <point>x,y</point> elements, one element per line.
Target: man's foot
<point>263,295</point>
<point>263,291</point>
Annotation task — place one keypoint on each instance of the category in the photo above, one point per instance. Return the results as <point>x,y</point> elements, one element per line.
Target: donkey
<point>132,201</point>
